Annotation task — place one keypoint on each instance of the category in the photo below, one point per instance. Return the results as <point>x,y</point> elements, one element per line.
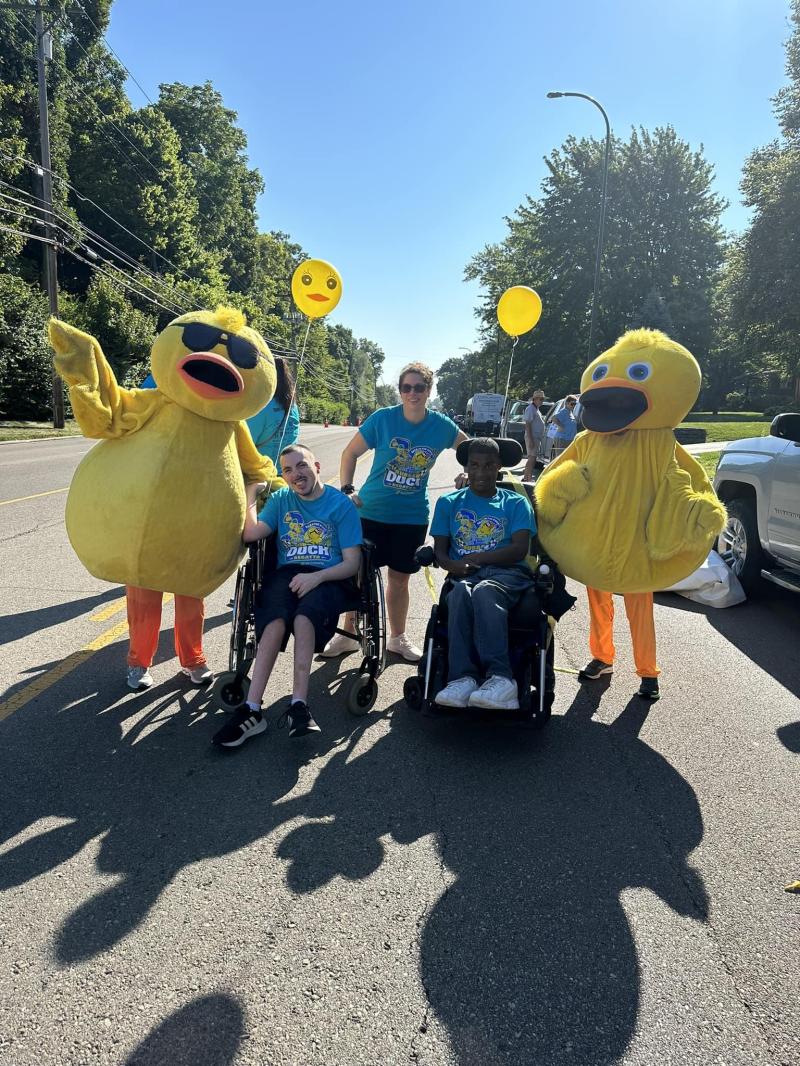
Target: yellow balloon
<point>316,287</point>
<point>519,309</point>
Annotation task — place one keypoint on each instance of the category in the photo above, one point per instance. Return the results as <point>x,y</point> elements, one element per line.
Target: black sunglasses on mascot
<point>418,386</point>
<point>200,337</point>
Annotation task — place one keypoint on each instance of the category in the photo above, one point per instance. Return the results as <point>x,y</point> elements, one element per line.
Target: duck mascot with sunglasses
<point>625,508</point>
<point>159,503</point>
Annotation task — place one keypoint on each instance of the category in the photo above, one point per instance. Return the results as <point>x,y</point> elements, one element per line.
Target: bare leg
<point>528,472</point>
<point>268,648</point>
<point>303,654</point>
<point>397,602</point>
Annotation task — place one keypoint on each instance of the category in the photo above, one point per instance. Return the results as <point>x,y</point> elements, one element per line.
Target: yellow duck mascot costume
<point>625,508</point>
<point>159,504</point>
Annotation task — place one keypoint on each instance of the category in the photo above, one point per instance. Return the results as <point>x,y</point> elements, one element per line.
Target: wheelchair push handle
<point>425,556</point>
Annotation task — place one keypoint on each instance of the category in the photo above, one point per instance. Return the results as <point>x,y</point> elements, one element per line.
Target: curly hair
<point>423,371</point>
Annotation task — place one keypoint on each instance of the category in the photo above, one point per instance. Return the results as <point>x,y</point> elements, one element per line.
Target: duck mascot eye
<point>159,503</point>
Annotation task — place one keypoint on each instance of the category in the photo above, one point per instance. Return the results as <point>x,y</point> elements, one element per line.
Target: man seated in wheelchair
<point>318,541</point>
<point>481,537</point>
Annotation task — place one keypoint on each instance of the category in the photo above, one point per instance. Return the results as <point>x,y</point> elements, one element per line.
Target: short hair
<point>484,444</point>
<point>297,447</point>
<point>571,399</point>
<point>424,372</point>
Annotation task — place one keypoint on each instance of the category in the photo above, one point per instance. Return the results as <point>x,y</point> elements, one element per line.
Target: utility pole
<point>50,262</point>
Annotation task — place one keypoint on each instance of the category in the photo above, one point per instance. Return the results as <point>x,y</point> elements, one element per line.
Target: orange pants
<point>144,624</point>
<point>639,609</point>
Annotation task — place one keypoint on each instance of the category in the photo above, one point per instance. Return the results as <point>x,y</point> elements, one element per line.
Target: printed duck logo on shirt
<point>474,534</point>
<point>407,471</point>
<point>306,540</point>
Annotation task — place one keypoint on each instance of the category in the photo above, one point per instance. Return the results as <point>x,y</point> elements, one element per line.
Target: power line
<point>103,38</point>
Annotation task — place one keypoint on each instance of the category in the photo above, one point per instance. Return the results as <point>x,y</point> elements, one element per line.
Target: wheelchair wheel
<point>373,631</point>
<point>362,695</point>
<point>414,693</point>
<point>242,636</point>
<point>229,691</point>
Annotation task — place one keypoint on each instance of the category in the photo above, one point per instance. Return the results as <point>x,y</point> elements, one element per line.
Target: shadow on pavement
<point>137,773</point>
<point>526,952</point>
<point>22,624</point>
<point>208,1030</point>
<point>764,629</point>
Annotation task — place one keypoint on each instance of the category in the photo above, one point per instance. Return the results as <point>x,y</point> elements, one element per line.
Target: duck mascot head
<point>159,503</point>
<point>625,508</point>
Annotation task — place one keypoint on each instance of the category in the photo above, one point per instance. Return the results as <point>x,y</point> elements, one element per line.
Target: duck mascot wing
<point>625,508</point>
<point>159,502</point>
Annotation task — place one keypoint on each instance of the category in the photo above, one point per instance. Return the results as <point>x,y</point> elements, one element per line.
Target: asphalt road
<point>398,890</point>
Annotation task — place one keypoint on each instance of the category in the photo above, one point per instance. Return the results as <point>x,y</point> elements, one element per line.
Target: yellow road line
<point>45,681</point>
<point>35,496</point>
<point>108,612</point>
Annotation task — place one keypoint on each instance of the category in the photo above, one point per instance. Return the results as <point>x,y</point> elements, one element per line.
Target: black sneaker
<point>299,719</point>
<point>595,669</point>
<point>244,724</point>
<point>648,689</point>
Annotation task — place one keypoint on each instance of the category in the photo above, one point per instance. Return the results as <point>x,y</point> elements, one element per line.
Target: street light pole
<point>601,227</point>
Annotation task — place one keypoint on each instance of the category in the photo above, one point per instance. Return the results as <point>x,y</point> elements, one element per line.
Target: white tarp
<point>713,584</point>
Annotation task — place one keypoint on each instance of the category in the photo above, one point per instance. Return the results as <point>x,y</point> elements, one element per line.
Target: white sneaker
<point>457,693</point>
<point>139,677</point>
<point>497,694</point>
<point>340,645</point>
<point>401,645</point>
<point>198,675</point>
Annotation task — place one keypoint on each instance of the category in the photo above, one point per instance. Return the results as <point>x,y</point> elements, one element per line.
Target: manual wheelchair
<point>530,626</point>
<point>368,604</point>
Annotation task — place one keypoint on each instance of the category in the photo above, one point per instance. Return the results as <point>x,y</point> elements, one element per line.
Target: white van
<point>484,413</point>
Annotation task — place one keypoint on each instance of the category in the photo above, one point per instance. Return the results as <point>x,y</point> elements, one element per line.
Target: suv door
<point>783,520</point>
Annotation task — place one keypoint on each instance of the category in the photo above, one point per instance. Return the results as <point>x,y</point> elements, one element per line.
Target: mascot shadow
<point>136,774</point>
<point>762,628</point>
<point>210,1030</point>
<point>23,623</point>
<point>526,954</point>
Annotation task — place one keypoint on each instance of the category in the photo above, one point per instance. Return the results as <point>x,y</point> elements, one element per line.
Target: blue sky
<point>394,138</point>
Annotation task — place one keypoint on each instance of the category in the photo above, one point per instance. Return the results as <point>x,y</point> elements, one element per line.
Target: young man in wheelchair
<point>481,537</point>
<point>318,540</point>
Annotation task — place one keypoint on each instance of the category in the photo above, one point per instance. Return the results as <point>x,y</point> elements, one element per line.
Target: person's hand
<point>463,568</point>
<point>356,499</point>
<point>304,583</point>
<point>461,480</point>
<point>256,489</point>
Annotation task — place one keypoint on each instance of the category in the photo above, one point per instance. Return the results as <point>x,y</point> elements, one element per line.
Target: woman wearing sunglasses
<point>393,502</point>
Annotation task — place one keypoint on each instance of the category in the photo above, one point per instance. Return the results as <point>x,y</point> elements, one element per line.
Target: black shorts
<point>394,544</point>
<point>322,606</point>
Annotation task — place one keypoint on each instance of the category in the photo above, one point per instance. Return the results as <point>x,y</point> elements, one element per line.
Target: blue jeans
<point>478,608</point>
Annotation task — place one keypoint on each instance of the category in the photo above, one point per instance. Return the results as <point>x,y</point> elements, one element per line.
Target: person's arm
<point>515,552</point>
<point>456,567</point>
<point>253,529</point>
<point>347,467</point>
<point>461,479</point>
<point>348,567</point>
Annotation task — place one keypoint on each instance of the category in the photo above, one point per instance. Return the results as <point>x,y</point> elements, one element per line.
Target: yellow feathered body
<point>162,508</point>
<point>625,508</point>
<point>645,518</point>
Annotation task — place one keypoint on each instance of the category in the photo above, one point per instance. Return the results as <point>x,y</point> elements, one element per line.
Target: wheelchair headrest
<point>510,451</point>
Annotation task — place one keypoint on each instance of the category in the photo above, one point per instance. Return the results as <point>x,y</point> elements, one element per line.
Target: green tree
<point>25,359</point>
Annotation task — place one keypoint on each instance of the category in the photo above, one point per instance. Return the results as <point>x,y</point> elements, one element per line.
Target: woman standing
<point>278,424</point>
<point>393,502</point>
<point>566,426</point>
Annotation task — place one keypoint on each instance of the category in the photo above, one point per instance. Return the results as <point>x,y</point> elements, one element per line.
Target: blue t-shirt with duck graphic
<point>479,523</point>
<point>396,489</point>
<point>312,532</point>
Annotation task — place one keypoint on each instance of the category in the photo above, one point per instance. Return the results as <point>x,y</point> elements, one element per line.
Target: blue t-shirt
<point>270,434</point>
<point>312,532</point>
<point>148,383</point>
<point>396,490</point>
<point>480,524</point>
<point>567,426</point>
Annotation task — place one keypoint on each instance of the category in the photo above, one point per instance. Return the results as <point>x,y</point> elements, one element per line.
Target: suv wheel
<point>739,545</point>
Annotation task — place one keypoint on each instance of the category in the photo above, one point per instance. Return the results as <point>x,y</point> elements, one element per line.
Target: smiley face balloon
<point>316,287</point>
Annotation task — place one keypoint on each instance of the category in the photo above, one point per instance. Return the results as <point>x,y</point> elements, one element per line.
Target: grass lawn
<point>708,461</point>
<point>724,416</point>
<point>36,430</point>
<point>729,430</point>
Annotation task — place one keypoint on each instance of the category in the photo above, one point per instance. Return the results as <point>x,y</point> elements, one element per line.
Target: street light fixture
<point>601,227</point>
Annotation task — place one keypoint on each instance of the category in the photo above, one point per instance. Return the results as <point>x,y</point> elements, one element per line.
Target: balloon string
<point>508,379</point>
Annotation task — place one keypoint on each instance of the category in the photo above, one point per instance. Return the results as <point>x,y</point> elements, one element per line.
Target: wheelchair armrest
<point>425,556</point>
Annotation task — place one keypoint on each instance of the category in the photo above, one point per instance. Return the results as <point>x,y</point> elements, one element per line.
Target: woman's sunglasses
<point>416,387</point>
<point>200,337</point>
